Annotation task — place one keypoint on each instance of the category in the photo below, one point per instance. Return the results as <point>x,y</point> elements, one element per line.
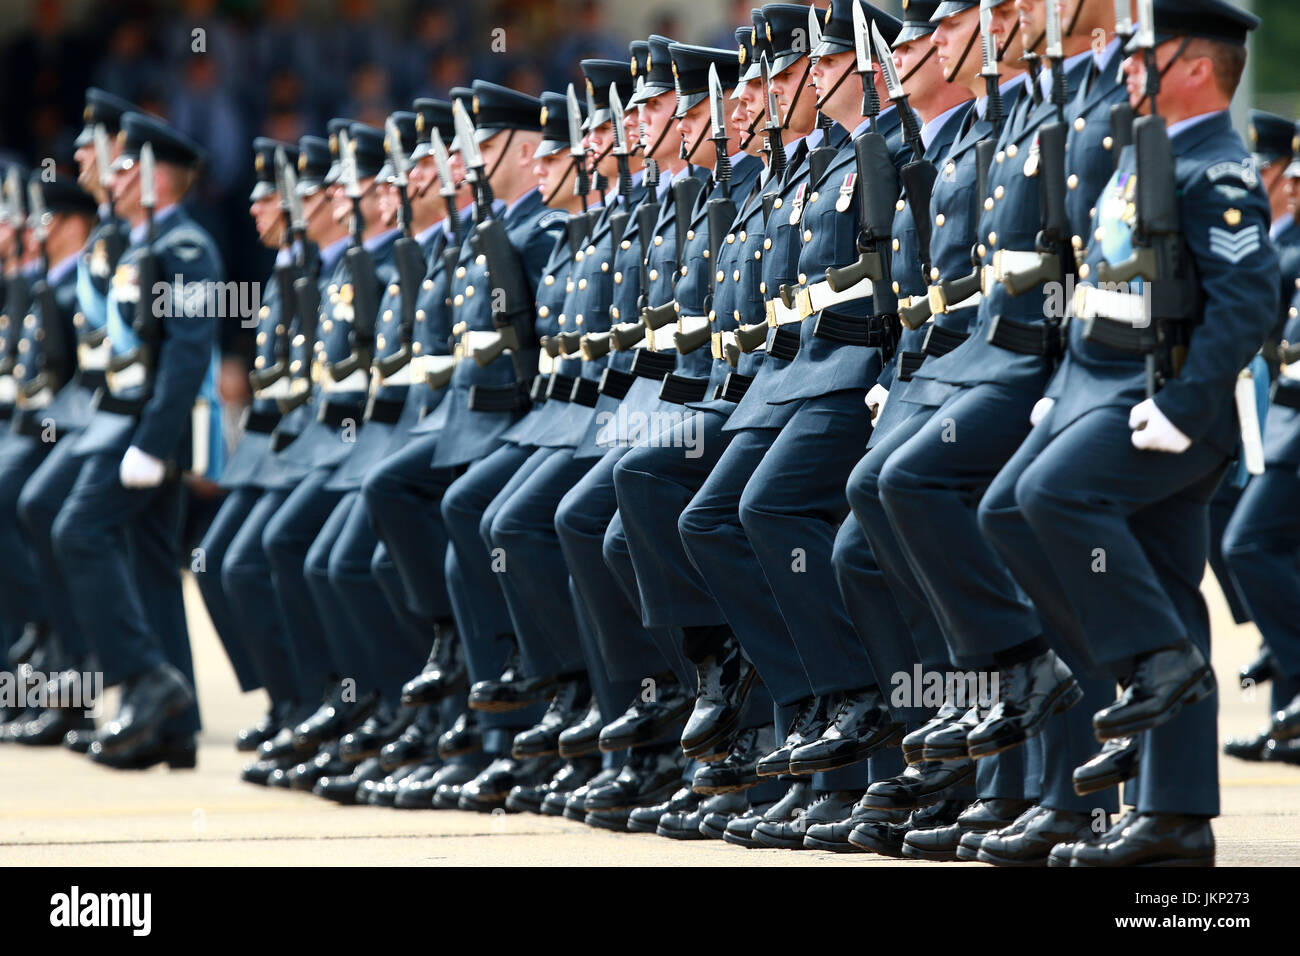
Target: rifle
<point>147,325</point>
<point>56,366</point>
<point>111,235</point>
<point>17,300</point>
<point>407,256</point>
<point>364,284</point>
<point>283,276</point>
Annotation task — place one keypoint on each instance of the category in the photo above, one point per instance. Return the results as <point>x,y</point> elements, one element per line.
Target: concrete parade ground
<point>60,809</point>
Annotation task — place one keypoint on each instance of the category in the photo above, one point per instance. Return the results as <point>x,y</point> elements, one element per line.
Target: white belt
<point>472,340</point>
<point>661,339</point>
<point>720,341</point>
<point>94,359</point>
<point>686,324</point>
<point>38,401</point>
<point>133,376</point>
<point>282,387</point>
<point>1091,302</point>
<point>358,381</point>
<point>820,296</point>
<point>201,436</point>
<point>940,306</point>
<point>1008,262</point>
<point>778,314</point>
<point>414,371</point>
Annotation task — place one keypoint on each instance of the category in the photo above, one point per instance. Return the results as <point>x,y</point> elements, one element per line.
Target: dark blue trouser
<point>299,653</point>
<point>21,600</point>
<point>1222,507</point>
<point>1262,547</point>
<point>536,579</point>
<point>286,537</point>
<point>207,574</point>
<point>629,651</point>
<point>38,505</point>
<point>1090,496</point>
<point>118,550</point>
<point>402,496</point>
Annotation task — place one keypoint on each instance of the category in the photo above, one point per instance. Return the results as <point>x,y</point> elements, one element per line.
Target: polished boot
<point>1033,845</point>
<point>615,820</point>
<point>571,775</point>
<point>416,744</point>
<point>940,843</point>
<point>725,680</point>
<point>282,743</point>
<point>920,785</point>
<point>259,771</point>
<point>567,707</point>
<point>888,838</point>
<point>442,790</point>
<point>582,738</point>
<point>325,763</point>
<point>1286,723</point>
<point>947,741</point>
<point>741,830</point>
<point>53,724</point>
<point>79,741</point>
<point>34,636</point>
<point>809,723</point>
<point>914,742</point>
<point>1116,762</point>
<point>335,717</point>
<point>648,777</point>
<point>570,805</point>
<point>148,699</point>
<point>789,834</point>
<point>464,737</point>
<point>250,738</point>
<point>489,789</point>
<point>342,788</point>
<point>1162,683</point>
<point>382,793</point>
<point>1262,668</point>
<point>178,753</point>
<point>834,837</point>
<point>1243,748</point>
<point>1063,853</point>
<point>717,811</point>
<point>513,690</point>
<point>738,771</point>
<point>445,673</point>
<point>1154,839</point>
<point>1029,693</point>
<point>647,721</point>
<point>646,819</point>
<point>375,732</point>
<point>861,726</point>
<point>405,798</point>
<point>968,847</point>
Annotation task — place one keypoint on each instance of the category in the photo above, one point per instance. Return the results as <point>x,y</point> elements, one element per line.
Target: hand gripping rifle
<point>407,256</point>
<point>56,366</point>
<point>283,276</point>
<point>877,181</point>
<point>147,325</point>
<point>1158,253</point>
<point>305,300</point>
<point>364,283</point>
<point>1121,114</point>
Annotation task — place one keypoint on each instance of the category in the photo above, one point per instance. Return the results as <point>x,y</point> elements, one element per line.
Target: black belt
<point>1025,338</point>
<point>281,440</point>
<point>334,413</point>
<point>261,422</point>
<point>614,383</point>
<point>6,412</point>
<point>92,379</point>
<point>734,387</point>
<point>1286,397</point>
<point>32,425</point>
<point>941,341</point>
<point>497,398</point>
<point>537,391</point>
<point>846,329</point>
<point>560,387</point>
<point>585,392</point>
<point>1121,336</point>
<point>653,365</point>
<point>785,343</point>
<point>385,410</point>
<point>105,402</point>
<point>679,389</point>
<point>908,363</point>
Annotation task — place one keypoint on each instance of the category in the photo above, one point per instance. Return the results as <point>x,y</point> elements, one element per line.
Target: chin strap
<point>1182,48</point>
<point>850,70</point>
<point>921,62</point>
<point>803,83</point>
<point>970,45</point>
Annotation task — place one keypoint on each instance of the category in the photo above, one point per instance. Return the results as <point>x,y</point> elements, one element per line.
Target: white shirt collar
<point>1191,121</point>
<point>61,268</point>
<point>374,242</point>
<point>1280,225</point>
<point>159,217</point>
<point>931,129</point>
<point>330,254</point>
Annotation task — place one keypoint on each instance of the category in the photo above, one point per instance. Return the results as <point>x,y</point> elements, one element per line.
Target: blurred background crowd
<point>281,68</point>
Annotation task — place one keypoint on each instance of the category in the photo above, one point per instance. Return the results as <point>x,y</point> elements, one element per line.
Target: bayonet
<point>103,159</point>
<point>474,171</point>
<point>1146,41</point>
<point>148,191</point>
<point>401,170</point>
<point>1055,52</point>
<point>351,184</point>
<point>617,122</point>
<point>38,219</point>
<point>774,125</point>
<point>1124,18</point>
<point>581,182</point>
<point>446,184</point>
<point>866,69</point>
<point>989,68</point>
<point>718,121</point>
<point>282,186</point>
<point>894,86</point>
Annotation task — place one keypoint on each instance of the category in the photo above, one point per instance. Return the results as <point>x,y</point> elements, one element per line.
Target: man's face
<point>87,168</point>
<point>1293,195</point>
<point>1176,81</point>
<point>125,187</point>
<point>657,114</point>
<point>387,202</point>
<point>950,38</point>
<point>786,87</point>
<point>597,141</point>
<point>748,105</point>
<point>553,174</point>
<point>267,219</point>
<point>694,127</point>
<point>1033,18</point>
<point>826,72</point>
<point>340,204</point>
<point>1005,22</point>
<point>421,174</point>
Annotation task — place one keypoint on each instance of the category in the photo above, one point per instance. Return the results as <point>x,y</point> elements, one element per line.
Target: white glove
<point>876,399</point>
<point>141,470</point>
<point>1040,410</point>
<point>1152,431</point>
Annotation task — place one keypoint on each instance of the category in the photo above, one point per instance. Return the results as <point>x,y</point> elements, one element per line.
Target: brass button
<point>419,315</point>
<point>549,280</point>
<point>982,250</point>
<point>896,287</point>
<point>807,235</point>
<point>1012,150</point>
<point>897,245</point>
<point>999,192</point>
<point>743,235</point>
<point>988,204</point>
<point>659,240</point>
<point>735,276</point>
<point>654,275</point>
<point>934,275</point>
<point>1072,182</point>
<point>777,203</point>
<point>813,198</point>
<point>388,315</point>
<point>731,237</point>
<point>1079,124</point>
<point>262,313</point>
<point>416,348</point>
<point>393,289</point>
<point>582,283</point>
<point>618,278</point>
<point>721,276</point>
<point>690,234</point>
<point>993,238</point>
<point>625,244</point>
<point>428,284</point>
<point>1084,271</point>
<point>940,219</point>
<point>543,311</point>
<point>767,244</point>
<point>1108,143</point>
